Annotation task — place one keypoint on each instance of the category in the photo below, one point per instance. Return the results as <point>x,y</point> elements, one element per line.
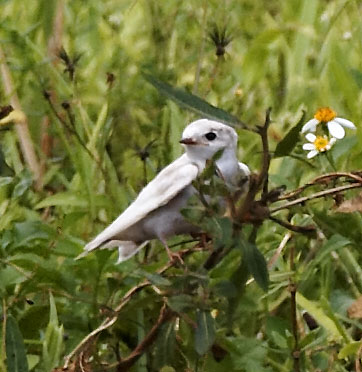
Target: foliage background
<point>294,55</point>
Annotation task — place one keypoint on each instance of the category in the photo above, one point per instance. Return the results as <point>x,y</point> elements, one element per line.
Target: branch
<point>126,364</point>
<point>320,179</point>
<point>310,229</point>
<point>262,179</point>
<point>263,131</point>
<point>110,320</point>
<point>317,195</point>
<point>55,40</point>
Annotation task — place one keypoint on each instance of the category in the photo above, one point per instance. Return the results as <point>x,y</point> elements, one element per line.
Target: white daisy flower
<point>328,116</point>
<point>317,144</point>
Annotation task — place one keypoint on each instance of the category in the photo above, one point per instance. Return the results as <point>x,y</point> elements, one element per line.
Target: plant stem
<point>22,125</point>
<point>293,309</point>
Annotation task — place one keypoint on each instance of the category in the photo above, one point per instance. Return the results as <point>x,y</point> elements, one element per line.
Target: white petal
<point>310,137</point>
<point>345,123</point>
<point>335,129</point>
<point>332,141</point>
<point>308,146</point>
<point>312,154</point>
<point>310,125</point>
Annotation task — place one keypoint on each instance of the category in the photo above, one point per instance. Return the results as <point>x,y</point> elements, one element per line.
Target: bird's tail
<point>91,246</point>
<point>126,249</point>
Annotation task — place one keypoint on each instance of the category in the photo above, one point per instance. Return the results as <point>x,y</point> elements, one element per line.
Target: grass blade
<point>194,103</point>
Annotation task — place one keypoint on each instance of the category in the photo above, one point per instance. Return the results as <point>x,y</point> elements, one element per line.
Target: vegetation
<point>94,97</point>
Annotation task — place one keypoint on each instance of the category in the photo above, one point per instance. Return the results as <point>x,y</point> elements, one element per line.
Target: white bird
<point>155,214</point>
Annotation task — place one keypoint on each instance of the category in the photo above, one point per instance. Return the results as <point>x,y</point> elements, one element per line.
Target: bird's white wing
<point>165,186</point>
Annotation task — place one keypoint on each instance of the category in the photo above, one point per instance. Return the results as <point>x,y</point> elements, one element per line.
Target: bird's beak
<point>188,141</point>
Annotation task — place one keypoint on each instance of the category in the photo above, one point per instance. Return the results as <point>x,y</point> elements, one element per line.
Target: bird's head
<point>203,138</point>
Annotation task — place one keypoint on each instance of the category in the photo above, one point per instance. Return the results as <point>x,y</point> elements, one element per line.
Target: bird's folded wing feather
<point>165,186</point>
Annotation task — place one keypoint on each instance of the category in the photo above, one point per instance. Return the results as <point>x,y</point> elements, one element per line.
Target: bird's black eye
<point>210,136</point>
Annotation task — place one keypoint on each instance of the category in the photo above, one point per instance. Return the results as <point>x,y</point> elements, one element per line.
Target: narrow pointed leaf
<point>194,103</point>
<point>316,311</point>
<point>256,264</point>
<point>53,342</point>
<point>204,333</point>
<point>287,144</point>
<point>15,350</point>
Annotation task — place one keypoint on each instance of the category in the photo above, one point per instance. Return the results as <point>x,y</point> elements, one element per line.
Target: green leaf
<point>63,199</point>
<point>313,339</point>
<point>287,144</point>
<point>194,103</point>
<point>357,76</point>
<point>34,319</point>
<point>348,225</point>
<point>29,230</point>
<point>165,347</point>
<point>275,329</point>
<point>344,147</point>
<point>53,342</point>
<point>334,243</point>
<point>71,199</point>
<point>349,349</point>
<point>6,181</point>
<point>154,278</point>
<point>33,360</point>
<point>205,332</point>
<point>15,350</point>
<point>248,354</point>
<point>256,263</point>
<point>225,288</point>
<point>25,182</point>
<point>319,315</point>
<point>180,303</point>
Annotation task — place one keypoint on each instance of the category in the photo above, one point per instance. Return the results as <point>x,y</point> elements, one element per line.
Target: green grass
<point>292,56</point>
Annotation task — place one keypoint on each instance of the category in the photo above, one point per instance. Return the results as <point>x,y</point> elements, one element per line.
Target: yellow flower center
<point>321,143</point>
<point>325,114</point>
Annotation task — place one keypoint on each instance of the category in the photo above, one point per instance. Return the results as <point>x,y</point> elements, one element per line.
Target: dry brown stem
<point>22,125</point>
<point>320,194</point>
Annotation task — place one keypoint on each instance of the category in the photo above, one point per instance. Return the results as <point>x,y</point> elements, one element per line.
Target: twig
<point>55,40</point>
<point>106,323</point>
<point>279,250</point>
<point>262,179</point>
<point>110,320</point>
<point>125,364</point>
<point>54,45</point>
<point>22,125</point>
<point>317,195</point>
<point>299,229</point>
<point>318,180</point>
<point>358,359</point>
<point>263,131</point>
<point>17,268</point>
